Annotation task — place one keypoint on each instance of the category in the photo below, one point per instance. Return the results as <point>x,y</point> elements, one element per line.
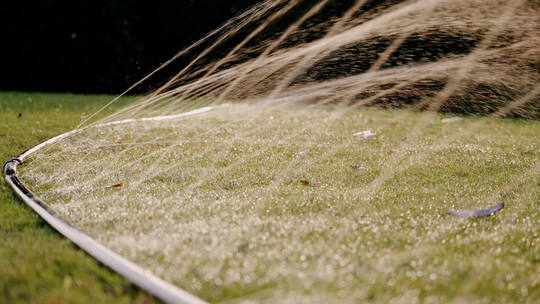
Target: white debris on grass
<point>452,119</point>
<point>359,168</point>
<point>365,134</point>
<point>302,154</point>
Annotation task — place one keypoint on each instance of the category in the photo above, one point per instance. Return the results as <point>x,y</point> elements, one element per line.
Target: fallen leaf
<point>116,185</point>
<point>304,182</point>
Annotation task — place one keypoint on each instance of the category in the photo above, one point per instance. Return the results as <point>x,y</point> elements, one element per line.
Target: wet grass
<point>37,265</point>
<point>284,204</point>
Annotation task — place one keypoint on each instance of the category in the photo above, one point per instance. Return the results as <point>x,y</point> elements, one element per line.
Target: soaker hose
<point>143,278</point>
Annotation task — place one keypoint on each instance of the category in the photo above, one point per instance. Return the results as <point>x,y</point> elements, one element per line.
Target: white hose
<point>140,277</point>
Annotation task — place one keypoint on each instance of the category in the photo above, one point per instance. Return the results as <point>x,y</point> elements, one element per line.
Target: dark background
<point>93,46</point>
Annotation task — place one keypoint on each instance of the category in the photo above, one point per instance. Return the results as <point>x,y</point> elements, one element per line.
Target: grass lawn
<point>284,204</point>
<point>37,265</point>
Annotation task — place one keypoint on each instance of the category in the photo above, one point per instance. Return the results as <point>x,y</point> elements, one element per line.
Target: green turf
<point>38,265</point>
<point>241,203</point>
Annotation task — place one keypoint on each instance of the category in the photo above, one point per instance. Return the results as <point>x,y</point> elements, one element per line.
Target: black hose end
<point>10,167</point>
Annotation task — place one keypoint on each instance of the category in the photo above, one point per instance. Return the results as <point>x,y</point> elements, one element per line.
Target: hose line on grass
<point>139,276</point>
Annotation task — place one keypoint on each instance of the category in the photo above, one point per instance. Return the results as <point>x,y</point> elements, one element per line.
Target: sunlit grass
<point>38,265</point>
<point>284,204</point>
